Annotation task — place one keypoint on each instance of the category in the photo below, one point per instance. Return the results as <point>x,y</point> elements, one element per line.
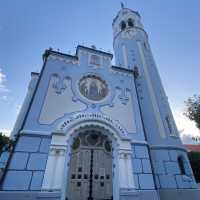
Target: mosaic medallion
<point>93,88</point>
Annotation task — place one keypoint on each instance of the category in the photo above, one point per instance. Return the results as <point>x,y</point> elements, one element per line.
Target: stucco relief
<point>64,59</point>
<point>58,100</point>
<point>58,84</point>
<point>122,109</point>
<point>123,97</point>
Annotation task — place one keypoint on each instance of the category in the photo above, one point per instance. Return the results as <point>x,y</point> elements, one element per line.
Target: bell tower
<point>168,155</point>
<point>127,29</point>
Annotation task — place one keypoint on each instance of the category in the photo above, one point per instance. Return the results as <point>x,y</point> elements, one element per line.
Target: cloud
<point>5,131</point>
<point>3,80</point>
<point>189,139</point>
<point>186,127</point>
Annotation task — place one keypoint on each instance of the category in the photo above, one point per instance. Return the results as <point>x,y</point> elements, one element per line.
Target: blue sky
<point>28,27</point>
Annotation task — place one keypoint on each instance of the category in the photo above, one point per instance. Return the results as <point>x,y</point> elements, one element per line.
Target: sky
<point>29,27</point>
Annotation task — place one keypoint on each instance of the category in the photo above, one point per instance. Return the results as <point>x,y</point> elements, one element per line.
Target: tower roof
<point>123,9</point>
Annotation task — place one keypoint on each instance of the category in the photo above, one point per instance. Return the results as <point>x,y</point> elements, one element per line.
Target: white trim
<point>125,56</point>
<point>55,177</point>
<point>90,118</point>
<point>63,58</point>
<point>46,133</point>
<point>139,142</point>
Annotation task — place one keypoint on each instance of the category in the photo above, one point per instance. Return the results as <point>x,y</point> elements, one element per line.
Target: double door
<point>90,175</point>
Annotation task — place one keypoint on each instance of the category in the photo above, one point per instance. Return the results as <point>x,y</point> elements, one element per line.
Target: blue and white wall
<point>135,111</point>
<point>132,51</point>
<point>56,101</point>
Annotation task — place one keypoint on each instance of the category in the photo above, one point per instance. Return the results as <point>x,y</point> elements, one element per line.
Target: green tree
<point>5,142</point>
<point>194,158</point>
<point>193,109</point>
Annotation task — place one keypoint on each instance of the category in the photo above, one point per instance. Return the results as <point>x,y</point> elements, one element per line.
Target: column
<point>125,170</point>
<point>53,177</point>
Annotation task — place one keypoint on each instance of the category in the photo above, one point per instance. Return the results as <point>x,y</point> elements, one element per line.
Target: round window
<point>93,88</point>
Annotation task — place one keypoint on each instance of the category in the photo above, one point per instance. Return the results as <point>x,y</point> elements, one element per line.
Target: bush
<point>5,143</point>
<point>194,158</point>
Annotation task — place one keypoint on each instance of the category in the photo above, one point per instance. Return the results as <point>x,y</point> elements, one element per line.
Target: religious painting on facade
<point>93,88</point>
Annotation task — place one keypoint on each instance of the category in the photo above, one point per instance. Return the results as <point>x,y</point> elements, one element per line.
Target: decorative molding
<point>139,142</point>
<point>123,96</point>
<point>57,151</point>
<point>64,59</point>
<point>121,71</point>
<point>59,84</point>
<point>34,133</point>
<point>125,153</point>
<point>60,91</point>
<point>78,117</point>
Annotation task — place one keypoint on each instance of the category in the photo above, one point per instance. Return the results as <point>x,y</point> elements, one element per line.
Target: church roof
<point>193,147</point>
<point>128,9</point>
<point>93,50</point>
<point>50,51</point>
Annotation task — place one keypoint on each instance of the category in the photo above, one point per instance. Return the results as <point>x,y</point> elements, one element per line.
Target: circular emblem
<point>93,88</point>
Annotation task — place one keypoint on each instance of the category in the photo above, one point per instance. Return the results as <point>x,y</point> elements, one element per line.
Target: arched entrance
<point>90,169</point>
<point>57,172</point>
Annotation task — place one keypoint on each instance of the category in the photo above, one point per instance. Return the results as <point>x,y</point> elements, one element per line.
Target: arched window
<point>145,46</point>
<point>130,23</point>
<point>181,165</point>
<point>123,25</point>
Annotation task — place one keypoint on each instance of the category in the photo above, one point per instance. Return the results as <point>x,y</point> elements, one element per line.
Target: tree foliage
<point>5,143</point>
<point>193,109</point>
<point>194,158</point>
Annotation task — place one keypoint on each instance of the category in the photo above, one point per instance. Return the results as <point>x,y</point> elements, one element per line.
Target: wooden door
<point>90,174</point>
<point>102,175</point>
<point>78,184</point>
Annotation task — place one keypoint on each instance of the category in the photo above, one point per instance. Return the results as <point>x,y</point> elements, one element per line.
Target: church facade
<point>91,130</point>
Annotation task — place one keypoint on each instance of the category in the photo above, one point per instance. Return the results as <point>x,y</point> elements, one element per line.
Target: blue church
<point>89,130</point>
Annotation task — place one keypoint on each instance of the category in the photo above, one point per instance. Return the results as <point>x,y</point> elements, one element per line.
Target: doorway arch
<point>107,133</point>
<point>58,163</point>
<point>90,168</point>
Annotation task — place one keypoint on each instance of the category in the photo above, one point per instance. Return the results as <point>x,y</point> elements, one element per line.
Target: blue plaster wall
<point>113,76</point>
<point>27,165</point>
<point>167,172</point>
<point>142,170</point>
<point>150,125</point>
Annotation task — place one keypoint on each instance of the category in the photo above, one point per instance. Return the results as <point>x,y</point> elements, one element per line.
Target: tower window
<point>130,23</point>
<point>95,60</point>
<point>123,25</point>
<point>145,46</point>
<point>169,124</point>
<point>181,165</point>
